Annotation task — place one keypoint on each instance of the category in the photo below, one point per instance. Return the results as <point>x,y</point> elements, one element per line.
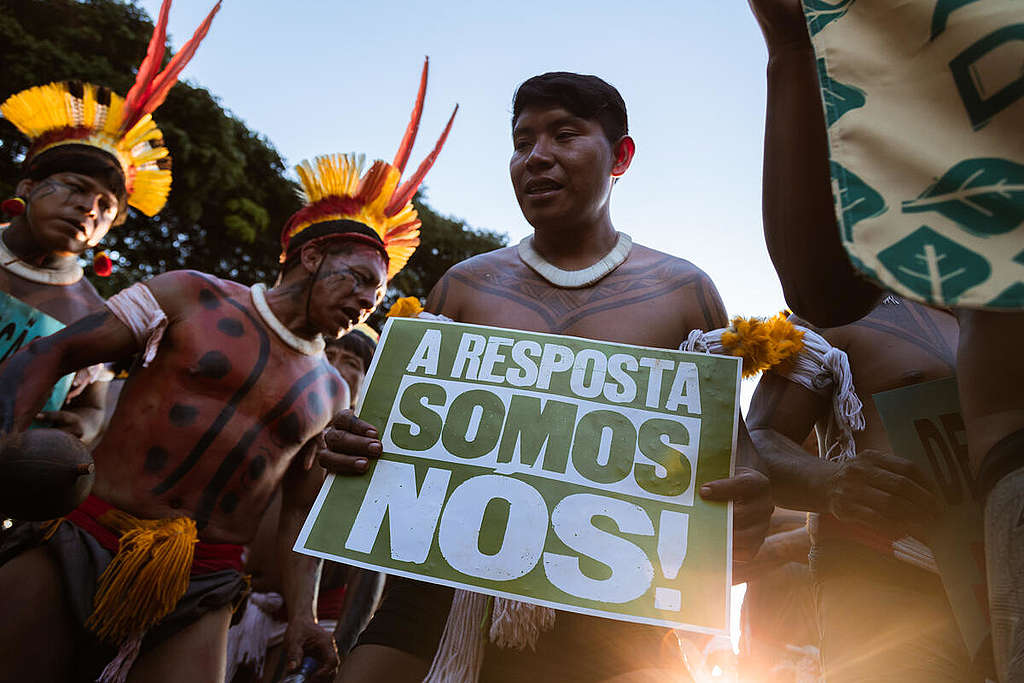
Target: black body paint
<point>214,365</point>
<point>236,457</point>
<point>231,327</point>
<point>182,415</point>
<point>229,410</point>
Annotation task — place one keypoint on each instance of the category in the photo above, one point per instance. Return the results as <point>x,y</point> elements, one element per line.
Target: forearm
<point>792,545</point>
<point>28,377</point>
<point>799,481</point>
<point>800,224</point>
<point>747,454</point>
<point>299,573</point>
<point>361,595</point>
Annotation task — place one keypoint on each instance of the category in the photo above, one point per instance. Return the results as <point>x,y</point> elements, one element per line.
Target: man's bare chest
<point>228,355</point>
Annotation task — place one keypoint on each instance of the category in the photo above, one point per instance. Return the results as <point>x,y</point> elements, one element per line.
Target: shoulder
<point>499,260</point>
<point>839,336</point>
<point>690,290</point>
<point>649,264</point>
<point>498,268</point>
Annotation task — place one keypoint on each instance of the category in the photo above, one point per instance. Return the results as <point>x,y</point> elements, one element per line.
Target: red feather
<point>405,149</point>
<point>404,193</point>
<point>154,91</point>
<point>150,64</point>
<point>404,229</point>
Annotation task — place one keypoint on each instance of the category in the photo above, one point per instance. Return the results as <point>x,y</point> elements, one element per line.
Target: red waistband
<point>208,557</point>
<point>329,603</point>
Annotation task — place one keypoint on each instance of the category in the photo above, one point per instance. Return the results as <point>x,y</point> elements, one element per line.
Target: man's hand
<point>886,493</point>
<point>305,638</point>
<point>349,443</point>
<point>752,494</point>
<point>782,23</point>
<point>64,420</point>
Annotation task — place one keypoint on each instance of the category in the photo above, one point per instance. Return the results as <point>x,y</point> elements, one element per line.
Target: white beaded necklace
<point>44,276</point>
<point>309,347</point>
<point>575,279</point>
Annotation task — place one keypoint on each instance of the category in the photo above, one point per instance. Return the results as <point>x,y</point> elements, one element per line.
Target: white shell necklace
<point>44,276</point>
<point>309,347</point>
<point>575,279</point>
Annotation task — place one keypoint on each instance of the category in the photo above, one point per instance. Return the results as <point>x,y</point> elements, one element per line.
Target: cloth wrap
<point>131,583</point>
<point>139,310</point>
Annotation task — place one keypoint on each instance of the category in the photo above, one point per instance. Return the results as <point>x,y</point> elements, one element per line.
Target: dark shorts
<point>82,559</point>
<point>579,649</point>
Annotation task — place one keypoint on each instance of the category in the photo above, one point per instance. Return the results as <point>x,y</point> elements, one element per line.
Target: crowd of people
<point>239,400</point>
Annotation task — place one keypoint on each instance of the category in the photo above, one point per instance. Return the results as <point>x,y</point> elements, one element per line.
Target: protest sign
<point>555,470</point>
<point>924,425</point>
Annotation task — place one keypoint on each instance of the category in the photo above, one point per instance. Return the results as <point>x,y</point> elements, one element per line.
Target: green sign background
<point>19,325</point>
<point>697,535</point>
<point>924,425</point>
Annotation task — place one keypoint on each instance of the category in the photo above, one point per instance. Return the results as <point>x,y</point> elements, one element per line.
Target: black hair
<point>338,236</point>
<point>585,96</point>
<point>358,343</point>
<point>85,160</point>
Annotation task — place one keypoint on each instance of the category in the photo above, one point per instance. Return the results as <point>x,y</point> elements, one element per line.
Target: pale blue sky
<point>318,76</point>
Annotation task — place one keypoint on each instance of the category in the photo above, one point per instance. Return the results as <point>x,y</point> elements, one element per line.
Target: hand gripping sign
<point>555,470</point>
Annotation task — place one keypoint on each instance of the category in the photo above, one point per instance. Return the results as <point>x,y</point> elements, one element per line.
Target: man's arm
<point>800,226</point>
<point>299,573</point>
<point>781,416</point>
<point>878,490</point>
<point>27,378</point>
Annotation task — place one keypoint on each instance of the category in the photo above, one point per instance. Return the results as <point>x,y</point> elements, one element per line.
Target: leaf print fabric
<point>923,102</point>
<point>985,196</point>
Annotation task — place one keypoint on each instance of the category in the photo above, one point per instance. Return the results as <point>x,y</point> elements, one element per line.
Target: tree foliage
<point>230,195</point>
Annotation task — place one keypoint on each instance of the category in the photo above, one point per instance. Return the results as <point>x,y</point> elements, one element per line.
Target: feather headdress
<point>81,113</point>
<point>375,206</point>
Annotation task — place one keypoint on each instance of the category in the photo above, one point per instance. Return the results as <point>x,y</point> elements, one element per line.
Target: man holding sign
<point>575,276</point>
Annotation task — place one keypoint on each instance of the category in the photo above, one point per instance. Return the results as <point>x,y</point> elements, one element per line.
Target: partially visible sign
<point>555,470</point>
<point>19,325</point>
<point>925,426</point>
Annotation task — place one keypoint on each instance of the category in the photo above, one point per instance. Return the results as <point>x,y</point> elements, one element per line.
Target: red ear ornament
<point>102,265</point>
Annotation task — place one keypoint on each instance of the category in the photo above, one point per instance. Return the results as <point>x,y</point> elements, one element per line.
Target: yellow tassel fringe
<point>146,578</point>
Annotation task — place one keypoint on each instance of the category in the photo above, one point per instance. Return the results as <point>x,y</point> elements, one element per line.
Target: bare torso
<point>209,428</point>
<point>651,300</point>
